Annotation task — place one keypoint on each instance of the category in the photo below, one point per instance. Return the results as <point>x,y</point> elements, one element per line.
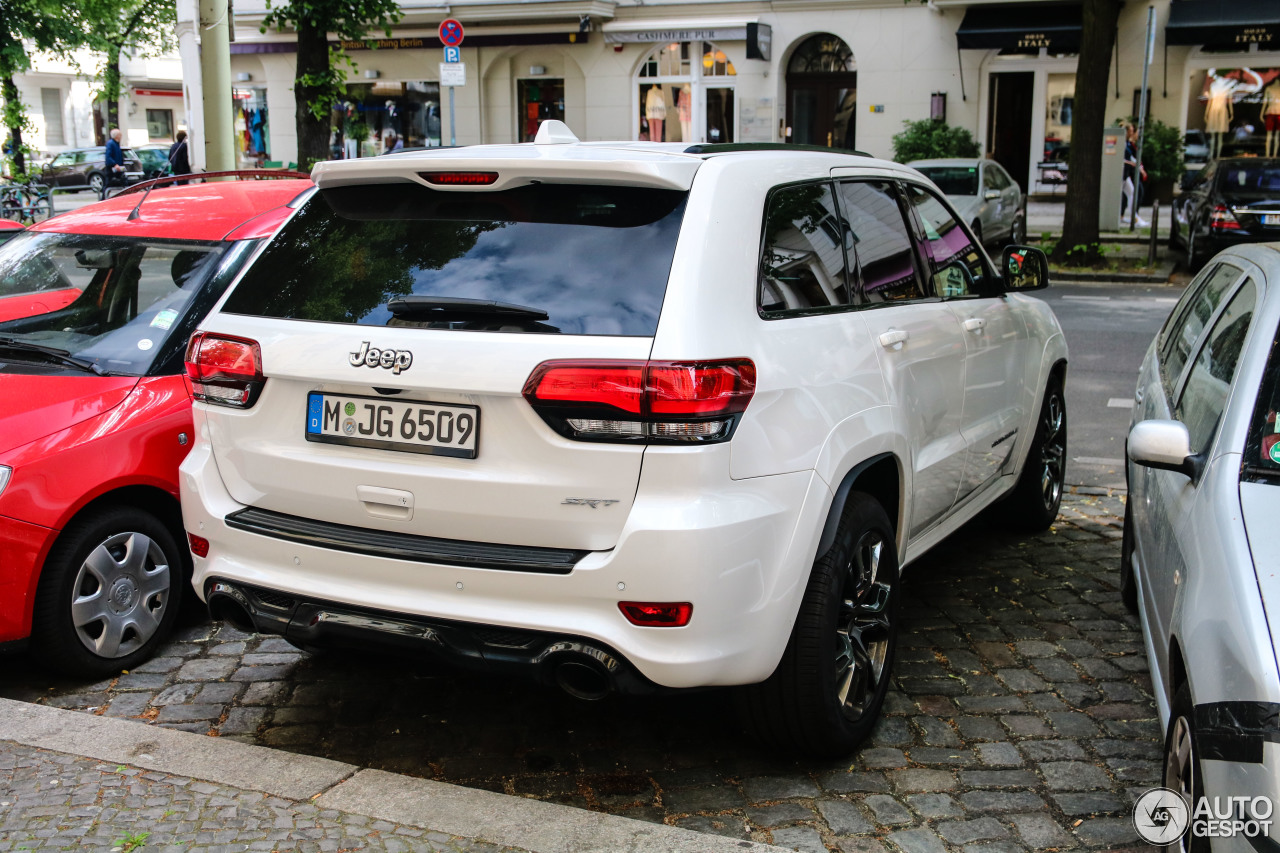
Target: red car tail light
<point>199,545</point>
<point>651,402</point>
<point>673,614</point>
<point>225,370</point>
<point>460,179</point>
<point>1222,219</point>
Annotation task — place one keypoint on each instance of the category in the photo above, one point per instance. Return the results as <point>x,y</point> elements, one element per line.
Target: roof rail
<point>734,147</point>
<point>196,177</point>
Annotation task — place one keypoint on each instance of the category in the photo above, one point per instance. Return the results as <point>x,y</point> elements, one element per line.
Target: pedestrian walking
<point>115,163</point>
<point>1133,170</point>
<point>179,156</point>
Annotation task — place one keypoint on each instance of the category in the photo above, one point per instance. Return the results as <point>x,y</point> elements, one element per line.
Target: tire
<point>97,181</point>
<point>1018,233</point>
<point>1033,504</point>
<point>1128,583</point>
<point>1182,765</point>
<point>826,693</point>
<point>109,593</point>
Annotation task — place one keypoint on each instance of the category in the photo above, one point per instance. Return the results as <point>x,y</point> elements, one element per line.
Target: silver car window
<point>1204,397</point>
<point>1190,317</point>
<point>1262,449</point>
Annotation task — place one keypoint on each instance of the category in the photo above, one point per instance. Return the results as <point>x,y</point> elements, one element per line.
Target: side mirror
<point>1025,268</point>
<point>1165,445</point>
<point>991,195</point>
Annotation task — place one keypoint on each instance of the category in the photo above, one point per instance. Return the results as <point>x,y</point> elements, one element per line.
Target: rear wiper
<point>60,355</point>
<point>455,305</point>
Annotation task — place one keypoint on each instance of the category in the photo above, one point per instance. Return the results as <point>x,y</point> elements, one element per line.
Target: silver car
<point>983,194</point>
<point>1201,552</point>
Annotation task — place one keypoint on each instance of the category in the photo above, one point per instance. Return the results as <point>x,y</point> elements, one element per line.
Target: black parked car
<point>86,169</point>
<point>1229,201</point>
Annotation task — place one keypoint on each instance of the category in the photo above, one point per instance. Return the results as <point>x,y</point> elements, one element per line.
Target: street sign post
<point>452,72</point>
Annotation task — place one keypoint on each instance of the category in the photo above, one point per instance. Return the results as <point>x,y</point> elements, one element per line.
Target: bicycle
<point>27,202</point>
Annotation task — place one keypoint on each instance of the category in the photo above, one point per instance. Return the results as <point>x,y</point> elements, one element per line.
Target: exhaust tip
<point>228,604</point>
<point>583,680</point>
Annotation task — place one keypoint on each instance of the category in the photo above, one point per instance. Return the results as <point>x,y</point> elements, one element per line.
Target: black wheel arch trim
<point>841,497</point>
<point>1235,731</point>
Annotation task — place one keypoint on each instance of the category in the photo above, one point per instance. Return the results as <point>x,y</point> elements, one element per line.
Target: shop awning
<point>1224,23</point>
<point>1022,27</point>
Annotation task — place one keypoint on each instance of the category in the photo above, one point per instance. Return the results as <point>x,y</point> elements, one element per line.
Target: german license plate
<point>414,426</point>
<point>1271,219</point>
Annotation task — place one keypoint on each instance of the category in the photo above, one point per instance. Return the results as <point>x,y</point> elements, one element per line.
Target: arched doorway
<point>686,94</point>
<point>822,93</point>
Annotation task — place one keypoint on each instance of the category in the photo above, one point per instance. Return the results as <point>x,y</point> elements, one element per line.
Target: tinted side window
<point>998,176</point>
<point>1209,383</point>
<point>802,261</point>
<point>1191,316</point>
<point>880,242</point>
<point>957,265</point>
<point>1262,450</point>
<point>990,179</point>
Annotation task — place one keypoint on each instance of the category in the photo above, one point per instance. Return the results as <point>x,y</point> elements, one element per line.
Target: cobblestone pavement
<point>1021,718</point>
<point>53,801</point>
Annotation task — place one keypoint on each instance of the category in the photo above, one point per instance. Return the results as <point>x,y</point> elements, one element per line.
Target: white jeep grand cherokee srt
<point>627,416</point>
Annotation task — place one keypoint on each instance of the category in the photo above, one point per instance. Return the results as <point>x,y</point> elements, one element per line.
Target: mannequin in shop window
<point>685,108</point>
<point>1218,113</point>
<point>655,110</point>
<point>1271,116</point>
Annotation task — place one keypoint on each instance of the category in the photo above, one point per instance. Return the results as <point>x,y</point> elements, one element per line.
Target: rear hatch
<point>399,318</point>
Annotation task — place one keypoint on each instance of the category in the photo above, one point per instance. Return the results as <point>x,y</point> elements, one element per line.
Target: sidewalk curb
<point>1161,277</point>
<point>496,818</point>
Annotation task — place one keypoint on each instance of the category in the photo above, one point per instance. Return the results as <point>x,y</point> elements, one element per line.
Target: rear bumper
<point>740,551</point>
<point>485,648</point>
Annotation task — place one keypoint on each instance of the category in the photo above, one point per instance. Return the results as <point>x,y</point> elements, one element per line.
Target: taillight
<point>225,370</point>
<point>675,614</point>
<point>460,179</point>
<point>1222,219</point>
<point>199,545</point>
<point>651,402</point>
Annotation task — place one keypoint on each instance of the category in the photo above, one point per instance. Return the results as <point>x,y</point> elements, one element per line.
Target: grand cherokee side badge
<point>394,360</point>
<point>591,502</point>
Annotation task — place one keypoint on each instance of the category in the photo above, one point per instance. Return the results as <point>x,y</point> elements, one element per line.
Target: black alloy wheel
<point>826,693</point>
<point>1033,503</point>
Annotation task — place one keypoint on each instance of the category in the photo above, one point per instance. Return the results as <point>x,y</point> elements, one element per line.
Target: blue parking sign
<point>452,53</point>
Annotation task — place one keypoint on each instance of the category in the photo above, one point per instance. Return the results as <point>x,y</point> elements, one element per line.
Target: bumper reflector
<point>649,614</point>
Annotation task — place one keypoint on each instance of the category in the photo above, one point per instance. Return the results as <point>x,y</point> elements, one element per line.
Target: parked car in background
<point>1195,149</point>
<point>1200,556</point>
<point>154,159</point>
<point>984,195</point>
<point>85,169</point>
<point>1230,201</point>
<point>9,229</point>
<point>97,413</point>
<point>423,413</point>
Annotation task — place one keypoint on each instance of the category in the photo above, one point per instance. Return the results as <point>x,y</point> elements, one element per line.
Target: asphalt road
<point>1108,328</point>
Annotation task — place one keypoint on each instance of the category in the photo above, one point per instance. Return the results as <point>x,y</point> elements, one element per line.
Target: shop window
<point>681,100</point>
<point>1060,91</point>
<point>539,100</point>
<point>377,117</point>
<point>159,125</point>
<point>51,103</point>
<point>1238,109</point>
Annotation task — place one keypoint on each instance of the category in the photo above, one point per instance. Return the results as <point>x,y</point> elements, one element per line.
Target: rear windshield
<point>594,259</point>
<point>953,180</point>
<point>1250,177</point>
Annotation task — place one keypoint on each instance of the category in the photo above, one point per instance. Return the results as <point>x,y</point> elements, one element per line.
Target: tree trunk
<point>12,100</point>
<point>111,88</point>
<point>1084,173</point>
<point>313,64</point>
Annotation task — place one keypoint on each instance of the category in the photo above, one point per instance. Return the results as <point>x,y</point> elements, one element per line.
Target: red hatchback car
<point>95,411</point>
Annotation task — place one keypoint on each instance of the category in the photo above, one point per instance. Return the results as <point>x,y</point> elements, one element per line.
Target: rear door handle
<point>975,325</point>
<point>892,338</point>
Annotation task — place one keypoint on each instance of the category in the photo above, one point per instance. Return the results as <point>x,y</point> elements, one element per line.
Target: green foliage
<point>930,139</point>
<point>133,841</point>
<point>1162,148</point>
<point>137,27</point>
